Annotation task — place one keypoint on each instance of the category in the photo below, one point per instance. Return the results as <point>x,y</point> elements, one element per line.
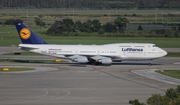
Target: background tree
<point>178,90</point>
<point>171,97</point>
<point>140,27</point>
<point>67,25</point>
<point>55,28</point>
<point>87,26</point>
<point>39,22</point>
<point>96,25</point>
<point>179,27</point>
<point>11,21</point>
<point>135,102</point>
<point>176,34</point>
<point>121,23</point>
<point>157,99</point>
<point>174,27</point>
<point>78,25</point>
<point>101,31</point>
<point>171,93</point>
<point>110,27</point>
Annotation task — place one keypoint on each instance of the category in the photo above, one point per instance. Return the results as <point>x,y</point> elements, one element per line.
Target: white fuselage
<point>118,51</point>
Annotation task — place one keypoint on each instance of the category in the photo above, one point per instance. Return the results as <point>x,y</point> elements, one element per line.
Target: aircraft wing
<point>98,57</point>
<point>85,59</point>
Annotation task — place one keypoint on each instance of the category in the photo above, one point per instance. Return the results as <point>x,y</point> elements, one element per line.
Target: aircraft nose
<point>164,53</point>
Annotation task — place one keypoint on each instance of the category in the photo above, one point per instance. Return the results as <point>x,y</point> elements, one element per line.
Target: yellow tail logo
<point>25,33</point>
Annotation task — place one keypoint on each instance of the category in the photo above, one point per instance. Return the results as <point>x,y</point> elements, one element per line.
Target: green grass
<point>173,54</point>
<point>34,61</point>
<point>9,36</point>
<point>171,73</point>
<point>2,60</point>
<point>16,69</point>
<point>24,53</point>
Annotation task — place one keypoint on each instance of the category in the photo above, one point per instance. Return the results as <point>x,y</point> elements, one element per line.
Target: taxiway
<point>76,84</point>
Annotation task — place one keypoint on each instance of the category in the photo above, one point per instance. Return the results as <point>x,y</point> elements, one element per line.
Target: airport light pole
<point>155,15</point>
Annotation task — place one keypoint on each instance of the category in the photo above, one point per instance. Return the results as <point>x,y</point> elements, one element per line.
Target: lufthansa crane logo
<point>25,33</point>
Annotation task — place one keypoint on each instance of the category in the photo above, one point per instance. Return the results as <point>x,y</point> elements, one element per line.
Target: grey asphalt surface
<point>77,84</point>
<point>151,74</point>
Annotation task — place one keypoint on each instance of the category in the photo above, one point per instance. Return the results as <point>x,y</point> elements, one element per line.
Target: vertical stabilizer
<point>26,35</point>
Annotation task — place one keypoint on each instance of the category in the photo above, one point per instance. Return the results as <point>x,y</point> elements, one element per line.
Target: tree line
<point>90,4</point>
<point>68,27</point>
<point>171,97</point>
<point>89,26</point>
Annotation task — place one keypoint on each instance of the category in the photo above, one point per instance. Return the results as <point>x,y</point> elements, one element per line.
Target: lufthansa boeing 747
<point>94,54</point>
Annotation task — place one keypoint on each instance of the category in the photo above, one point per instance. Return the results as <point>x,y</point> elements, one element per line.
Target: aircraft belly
<point>139,58</point>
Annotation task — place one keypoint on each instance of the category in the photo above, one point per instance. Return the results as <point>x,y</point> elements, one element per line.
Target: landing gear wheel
<point>93,62</point>
<point>150,63</point>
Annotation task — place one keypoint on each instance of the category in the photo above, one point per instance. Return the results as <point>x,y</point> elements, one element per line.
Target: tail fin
<point>27,35</point>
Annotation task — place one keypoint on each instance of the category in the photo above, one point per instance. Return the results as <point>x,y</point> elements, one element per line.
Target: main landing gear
<point>93,62</point>
<point>150,63</point>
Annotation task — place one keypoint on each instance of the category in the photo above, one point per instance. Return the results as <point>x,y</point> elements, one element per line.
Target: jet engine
<point>106,61</point>
<point>80,60</point>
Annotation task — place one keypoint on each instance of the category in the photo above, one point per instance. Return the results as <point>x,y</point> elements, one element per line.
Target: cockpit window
<point>154,45</point>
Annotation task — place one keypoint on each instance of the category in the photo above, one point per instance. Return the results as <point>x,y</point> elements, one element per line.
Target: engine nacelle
<point>80,60</point>
<point>106,61</point>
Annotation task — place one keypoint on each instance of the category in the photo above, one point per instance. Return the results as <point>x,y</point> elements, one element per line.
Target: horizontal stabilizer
<point>27,47</point>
